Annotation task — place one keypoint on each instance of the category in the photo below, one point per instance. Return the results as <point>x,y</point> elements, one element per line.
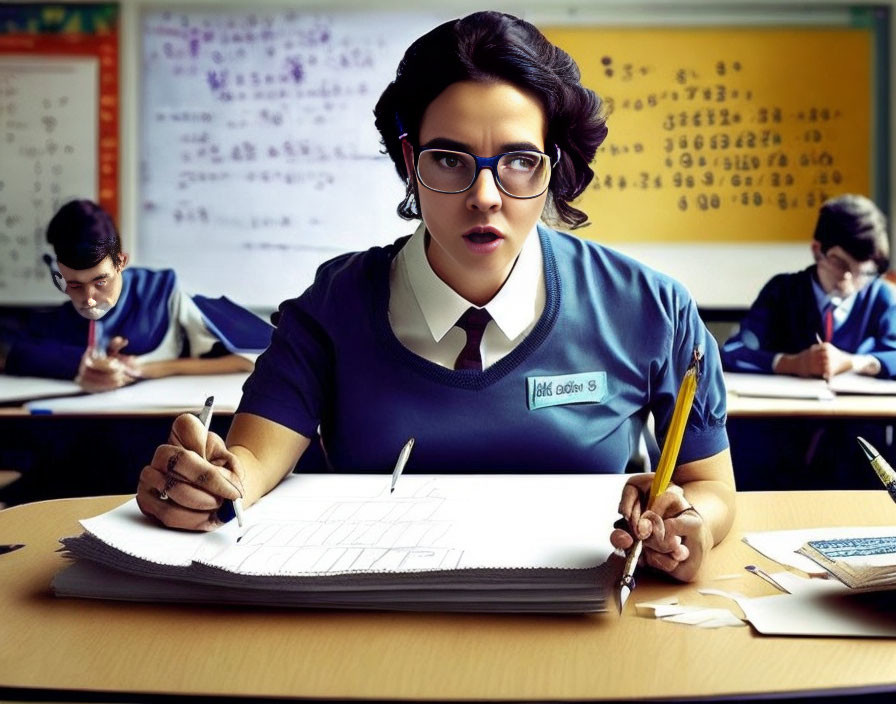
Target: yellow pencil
<point>666,465</point>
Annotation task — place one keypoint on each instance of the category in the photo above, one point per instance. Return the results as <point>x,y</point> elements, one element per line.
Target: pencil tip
<point>622,597</point>
<point>869,451</point>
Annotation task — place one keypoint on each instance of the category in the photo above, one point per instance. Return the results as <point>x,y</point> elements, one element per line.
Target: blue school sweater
<point>785,318</point>
<point>612,344</point>
<point>53,342</point>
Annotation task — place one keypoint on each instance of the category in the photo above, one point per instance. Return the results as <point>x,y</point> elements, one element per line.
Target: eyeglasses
<point>58,280</point>
<point>522,174</point>
<point>842,267</point>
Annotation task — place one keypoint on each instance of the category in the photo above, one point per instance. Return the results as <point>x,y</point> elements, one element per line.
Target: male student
<point>832,317</point>
<point>125,323</point>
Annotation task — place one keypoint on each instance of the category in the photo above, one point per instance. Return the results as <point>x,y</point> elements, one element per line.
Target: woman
<point>563,349</point>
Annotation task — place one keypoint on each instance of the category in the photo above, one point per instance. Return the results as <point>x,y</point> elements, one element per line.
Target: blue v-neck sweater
<point>612,344</point>
<point>785,319</point>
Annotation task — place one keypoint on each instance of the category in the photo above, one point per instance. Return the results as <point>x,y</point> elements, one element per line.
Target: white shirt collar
<point>842,306</point>
<point>514,307</point>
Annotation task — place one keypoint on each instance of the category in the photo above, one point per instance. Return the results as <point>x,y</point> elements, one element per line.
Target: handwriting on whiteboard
<point>257,137</point>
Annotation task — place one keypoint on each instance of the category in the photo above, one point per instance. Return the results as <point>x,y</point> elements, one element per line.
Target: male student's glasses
<point>519,174</point>
<point>861,272</point>
<point>58,280</point>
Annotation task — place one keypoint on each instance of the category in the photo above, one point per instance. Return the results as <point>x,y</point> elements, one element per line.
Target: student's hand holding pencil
<point>821,360</point>
<point>675,536</point>
<point>190,478</point>
<point>106,369</point>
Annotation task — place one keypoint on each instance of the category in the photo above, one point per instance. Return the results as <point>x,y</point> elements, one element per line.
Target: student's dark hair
<point>857,225</point>
<point>82,234</point>
<point>492,46</point>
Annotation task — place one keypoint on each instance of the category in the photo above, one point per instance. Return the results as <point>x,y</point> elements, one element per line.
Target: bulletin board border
<point>65,31</point>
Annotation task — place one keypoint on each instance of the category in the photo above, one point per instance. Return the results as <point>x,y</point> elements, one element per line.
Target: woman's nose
<point>484,194</point>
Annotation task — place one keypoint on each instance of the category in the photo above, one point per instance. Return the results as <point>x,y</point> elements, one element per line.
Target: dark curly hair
<point>857,225</point>
<point>493,46</point>
<point>83,234</point>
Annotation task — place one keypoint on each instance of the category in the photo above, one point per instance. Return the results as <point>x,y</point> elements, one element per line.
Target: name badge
<point>586,387</point>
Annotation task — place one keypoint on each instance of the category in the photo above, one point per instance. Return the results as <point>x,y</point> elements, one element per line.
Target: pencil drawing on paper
<point>346,535</point>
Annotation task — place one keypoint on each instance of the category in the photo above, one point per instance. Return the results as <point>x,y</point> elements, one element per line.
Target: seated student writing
<point>122,323</point>
<point>834,316</point>
<point>447,335</point>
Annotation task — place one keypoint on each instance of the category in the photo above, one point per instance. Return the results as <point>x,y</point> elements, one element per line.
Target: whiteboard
<point>259,159</point>
<point>258,155</point>
<point>48,155</point>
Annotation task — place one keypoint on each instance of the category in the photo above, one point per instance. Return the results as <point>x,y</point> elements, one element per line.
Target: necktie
<point>828,322</point>
<point>473,323</point>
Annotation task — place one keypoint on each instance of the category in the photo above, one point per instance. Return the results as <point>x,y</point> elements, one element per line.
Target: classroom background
<point>225,136</point>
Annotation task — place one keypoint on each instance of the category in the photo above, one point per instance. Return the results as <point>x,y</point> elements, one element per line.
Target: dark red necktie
<point>473,323</point>
<point>828,320</point>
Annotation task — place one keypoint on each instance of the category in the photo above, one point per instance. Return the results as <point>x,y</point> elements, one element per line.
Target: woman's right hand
<point>182,489</point>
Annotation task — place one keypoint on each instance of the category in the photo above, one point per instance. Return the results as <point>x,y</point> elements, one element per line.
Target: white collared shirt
<point>423,309</point>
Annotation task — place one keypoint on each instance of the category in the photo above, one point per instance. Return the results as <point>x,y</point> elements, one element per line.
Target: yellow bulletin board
<point>724,135</point>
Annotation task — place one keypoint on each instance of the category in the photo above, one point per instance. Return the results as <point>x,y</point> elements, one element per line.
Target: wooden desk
<point>58,648</point>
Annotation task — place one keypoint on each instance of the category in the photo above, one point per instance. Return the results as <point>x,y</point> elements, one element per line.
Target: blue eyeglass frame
<point>485,162</point>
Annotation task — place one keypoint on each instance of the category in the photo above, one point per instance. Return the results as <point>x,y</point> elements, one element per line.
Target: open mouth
<point>483,236</point>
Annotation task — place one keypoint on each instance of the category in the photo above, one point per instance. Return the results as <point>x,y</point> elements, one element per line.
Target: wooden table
<point>62,649</point>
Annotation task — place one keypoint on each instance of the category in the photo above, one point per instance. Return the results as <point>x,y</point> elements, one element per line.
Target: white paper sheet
<point>777,386</point>
<point>324,524</point>
<point>25,388</point>
<point>176,393</point>
<point>783,386</point>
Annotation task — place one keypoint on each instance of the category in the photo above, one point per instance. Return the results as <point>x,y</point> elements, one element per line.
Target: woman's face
<point>475,236</point>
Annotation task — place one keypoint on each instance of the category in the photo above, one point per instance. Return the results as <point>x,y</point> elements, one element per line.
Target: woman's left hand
<point>675,536</point>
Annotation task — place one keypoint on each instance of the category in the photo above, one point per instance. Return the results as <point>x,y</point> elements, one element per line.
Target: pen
<point>10,548</point>
<point>668,457</point>
<point>821,342</point>
<point>402,461</point>
<point>205,417</point>
<point>759,572</point>
<point>95,341</point>
<point>880,466</point>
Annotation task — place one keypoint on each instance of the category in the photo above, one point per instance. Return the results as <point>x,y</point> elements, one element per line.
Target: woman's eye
<point>522,163</point>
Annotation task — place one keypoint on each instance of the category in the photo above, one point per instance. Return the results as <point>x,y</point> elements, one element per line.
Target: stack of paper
<point>454,543</point>
<point>861,563</point>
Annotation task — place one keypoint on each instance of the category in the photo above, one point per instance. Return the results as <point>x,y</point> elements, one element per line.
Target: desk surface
<point>59,645</point>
